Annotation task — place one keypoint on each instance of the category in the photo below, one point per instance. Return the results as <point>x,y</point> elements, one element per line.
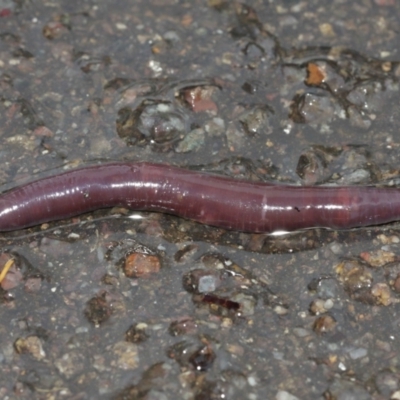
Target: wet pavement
<point>118,304</point>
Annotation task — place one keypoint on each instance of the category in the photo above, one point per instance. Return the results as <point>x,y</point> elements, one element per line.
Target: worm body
<point>205,198</point>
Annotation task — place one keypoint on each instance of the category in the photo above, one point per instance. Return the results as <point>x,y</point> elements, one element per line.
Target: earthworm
<point>206,198</point>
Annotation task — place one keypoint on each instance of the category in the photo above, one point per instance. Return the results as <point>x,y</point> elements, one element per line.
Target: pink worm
<point>205,198</point>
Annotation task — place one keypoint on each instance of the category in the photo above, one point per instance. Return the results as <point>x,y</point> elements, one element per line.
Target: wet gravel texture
<point>119,304</point>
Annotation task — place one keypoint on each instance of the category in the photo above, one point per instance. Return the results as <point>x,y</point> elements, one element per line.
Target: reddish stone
<point>5,12</point>
<point>141,265</point>
<point>199,99</point>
